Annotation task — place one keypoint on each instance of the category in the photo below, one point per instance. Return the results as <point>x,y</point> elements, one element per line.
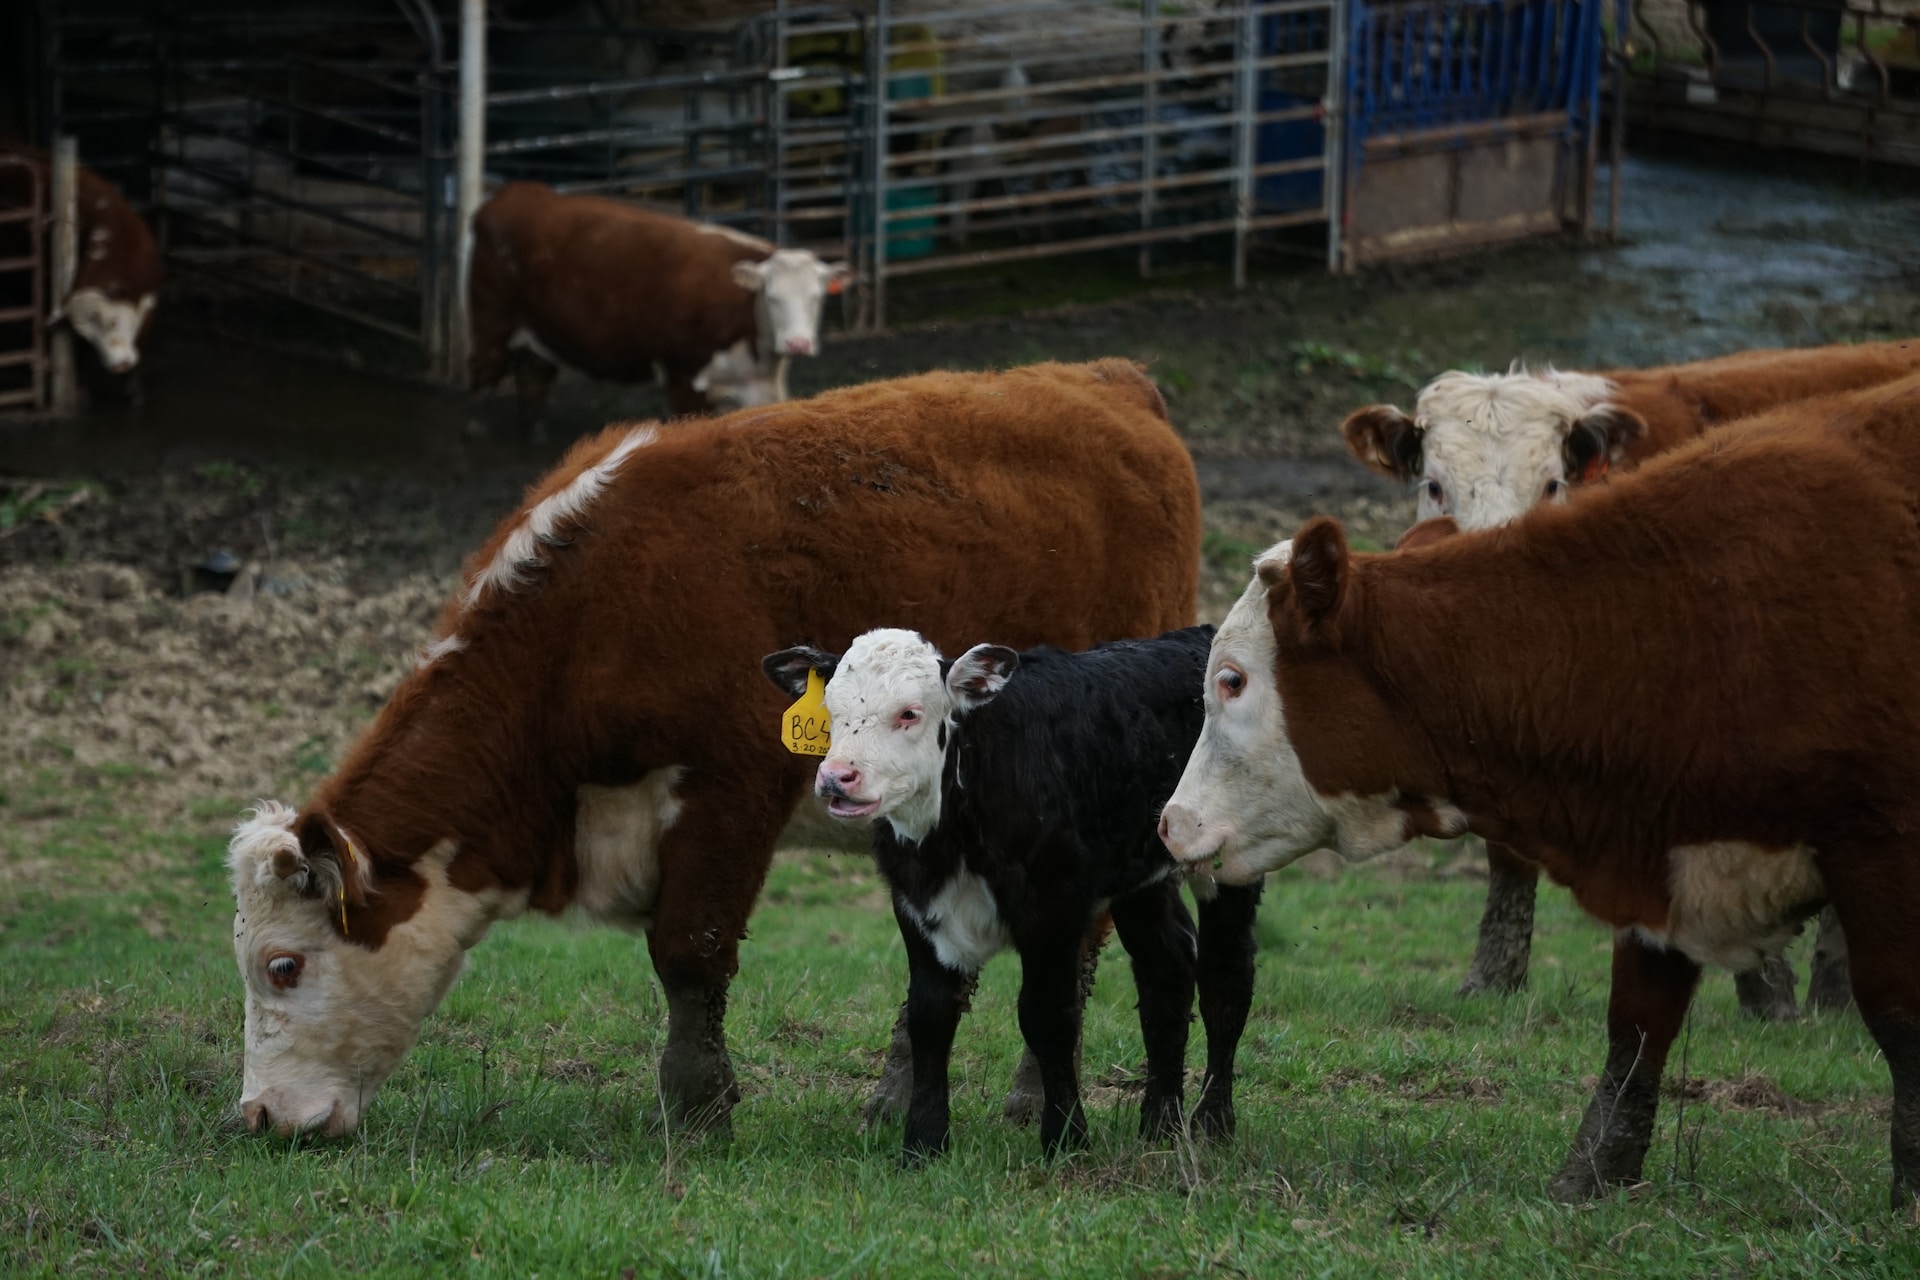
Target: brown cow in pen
<point>589,728</point>
<point>627,295</point>
<point>1715,733</point>
<point>1483,448</point>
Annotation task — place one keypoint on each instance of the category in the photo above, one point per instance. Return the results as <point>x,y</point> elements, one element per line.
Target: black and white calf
<point>1015,796</point>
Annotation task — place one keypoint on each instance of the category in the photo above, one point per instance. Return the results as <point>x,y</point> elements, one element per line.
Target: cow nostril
<point>257,1118</point>
<point>1165,831</point>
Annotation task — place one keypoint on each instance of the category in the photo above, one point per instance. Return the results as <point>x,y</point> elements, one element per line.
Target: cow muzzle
<point>266,1113</point>
<point>796,347</point>
<point>839,786</point>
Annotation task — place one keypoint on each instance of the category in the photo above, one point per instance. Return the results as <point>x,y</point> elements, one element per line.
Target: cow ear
<point>337,866</point>
<point>1385,439</point>
<point>980,673</point>
<point>1320,570</point>
<point>1598,439</point>
<point>788,668</point>
<point>835,275</point>
<point>1271,566</point>
<point>1427,532</point>
<point>749,275</point>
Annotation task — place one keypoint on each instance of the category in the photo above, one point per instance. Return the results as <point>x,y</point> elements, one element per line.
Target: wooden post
<point>64,210</point>
<point>471,168</point>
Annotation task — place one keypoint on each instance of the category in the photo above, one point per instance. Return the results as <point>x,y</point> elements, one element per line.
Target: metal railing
<point>24,292</point>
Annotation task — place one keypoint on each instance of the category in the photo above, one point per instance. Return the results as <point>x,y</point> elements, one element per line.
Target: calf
<point>116,277</point>
<point>578,734</point>
<point>1763,758</point>
<point>1013,797</point>
<point>1485,448</point>
<point>627,295</point>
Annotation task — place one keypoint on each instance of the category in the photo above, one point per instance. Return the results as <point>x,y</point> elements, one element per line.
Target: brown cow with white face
<point>1485,448</point>
<point>624,294</point>
<point>589,728</point>
<point>1763,758</point>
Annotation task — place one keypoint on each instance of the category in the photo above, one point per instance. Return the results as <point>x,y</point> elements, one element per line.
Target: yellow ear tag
<point>806,728</point>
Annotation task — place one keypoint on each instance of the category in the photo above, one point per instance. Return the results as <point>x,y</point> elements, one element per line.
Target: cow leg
<point>1158,935</point>
<point>1227,950</point>
<point>1050,1020</point>
<point>936,997</point>
<point>894,1092</point>
<point>1506,925</point>
<point>1829,989</point>
<point>1767,992</point>
<point>1024,1095</point>
<point>1877,912</point>
<point>1652,988</point>
<point>533,377</point>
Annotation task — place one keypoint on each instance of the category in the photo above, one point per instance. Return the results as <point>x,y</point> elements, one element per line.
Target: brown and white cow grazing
<point>1483,448</point>
<point>589,728</point>
<point>116,278</point>
<point>1762,756</point>
<point>627,295</point>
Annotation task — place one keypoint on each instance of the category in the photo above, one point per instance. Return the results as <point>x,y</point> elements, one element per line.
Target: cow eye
<point>1434,490</point>
<point>283,971</point>
<point>1231,681</point>
<point>910,716</point>
<point>1554,488</point>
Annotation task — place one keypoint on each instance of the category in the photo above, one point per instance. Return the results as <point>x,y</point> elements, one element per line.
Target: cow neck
<point>447,761</point>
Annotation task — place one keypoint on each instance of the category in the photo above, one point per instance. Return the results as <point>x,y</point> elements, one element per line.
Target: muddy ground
<point>347,501</point>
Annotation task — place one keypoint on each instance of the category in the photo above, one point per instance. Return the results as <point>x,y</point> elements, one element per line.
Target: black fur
<point>1052,795</point>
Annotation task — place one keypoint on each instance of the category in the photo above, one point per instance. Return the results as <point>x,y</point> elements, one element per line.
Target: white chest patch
<point>963,923</point>
<point>1735,903</point>
<point>616,844</point>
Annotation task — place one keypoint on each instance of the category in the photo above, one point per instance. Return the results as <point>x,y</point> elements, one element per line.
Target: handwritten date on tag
<point>806,728</point>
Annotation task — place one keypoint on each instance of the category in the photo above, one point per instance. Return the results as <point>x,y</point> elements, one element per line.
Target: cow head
<point>1484,448</point>
<point>790,287</point>
<point>1243,806</point>
<point>330,1009</point>
<point>893,703</point>
<point>112,327</point>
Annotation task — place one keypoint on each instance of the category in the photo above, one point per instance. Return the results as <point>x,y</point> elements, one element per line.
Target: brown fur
<point>1050,504</point>
<point>608,288</point>
<point>129,268</point>
<point>1599,683</point>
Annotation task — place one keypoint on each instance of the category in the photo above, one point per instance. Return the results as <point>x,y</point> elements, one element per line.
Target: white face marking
<point>328,1020</point>
<point>1244,806</point>
<point>1733,904</point>
<point>112,327</point>
<point>1491,444</point>
<point>887,701</point>
<point>736,379</point>
<point>791,286</point>
<point>963,923</point>
<point>521,553</point>
<point>616,845</point>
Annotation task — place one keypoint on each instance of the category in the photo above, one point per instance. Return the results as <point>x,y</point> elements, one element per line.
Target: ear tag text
<point>806,728</point>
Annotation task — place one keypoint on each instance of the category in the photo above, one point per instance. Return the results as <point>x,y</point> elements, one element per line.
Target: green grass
<point>1387,1126</point>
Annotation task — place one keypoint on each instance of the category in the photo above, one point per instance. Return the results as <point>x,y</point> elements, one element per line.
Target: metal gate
<point>24,207</point>
<point>1841,77</point>
<point>1001,134</point>
<point>291,154</point>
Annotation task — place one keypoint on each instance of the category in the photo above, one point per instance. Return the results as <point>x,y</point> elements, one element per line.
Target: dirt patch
<point>1746,1093</point>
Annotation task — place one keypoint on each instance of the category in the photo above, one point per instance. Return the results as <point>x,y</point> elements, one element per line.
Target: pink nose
<point>797,347</point>
<point>1163,828</point>
<point>833,778</point>
<point>122,365</point>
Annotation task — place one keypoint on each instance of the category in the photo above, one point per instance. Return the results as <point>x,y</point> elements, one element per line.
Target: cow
<point>587,729</point>
<point>1763,757</point>
<point>116,276</point>
<point>624,294</point>
<point>1483,448</point>
<point>1013,796</point>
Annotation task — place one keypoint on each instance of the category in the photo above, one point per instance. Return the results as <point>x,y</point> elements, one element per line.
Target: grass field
<point>1387,1126</point>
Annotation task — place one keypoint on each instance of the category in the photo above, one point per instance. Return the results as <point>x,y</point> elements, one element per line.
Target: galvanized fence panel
<point>1022,131</point>
<point>24,211</point>
<point>1840,77</point>
<point>1468,121</point>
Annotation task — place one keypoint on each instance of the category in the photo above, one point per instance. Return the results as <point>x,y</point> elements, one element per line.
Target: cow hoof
<point>1071,1137</point>
<point>1495,976</point>
<point>1024,1095</point>
<point>698,1092</point>
<point>888,1101</point>
<point>1159,1119</point>
<point>916,1152</point>
<point>1215,1121</point>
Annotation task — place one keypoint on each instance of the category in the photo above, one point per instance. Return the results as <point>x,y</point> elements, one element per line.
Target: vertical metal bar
<point>1149,117</point>
<point>878,86</point>
<point>777,123</point>
<point>471,159</point>
<point>1248,86</point>
<point>1616,171</point>
<point>1333,174</point>
<point>65,184</point>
